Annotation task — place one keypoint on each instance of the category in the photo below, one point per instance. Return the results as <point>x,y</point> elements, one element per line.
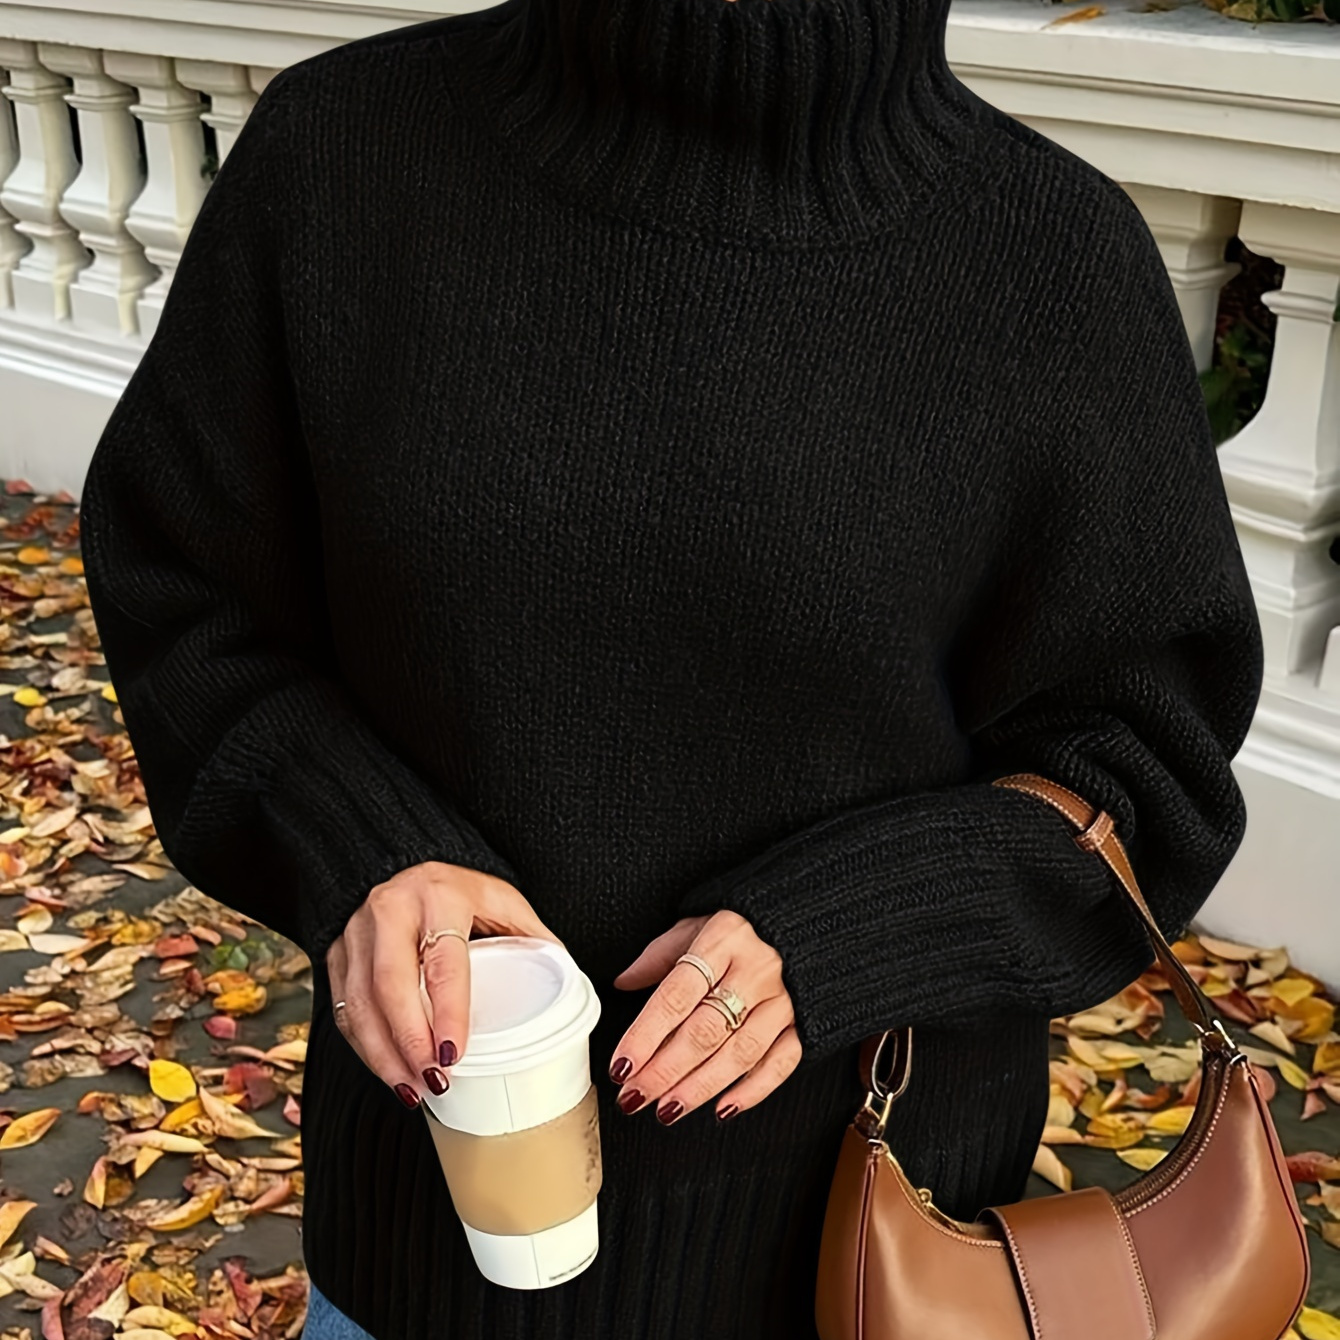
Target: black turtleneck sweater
<point>672,454</point>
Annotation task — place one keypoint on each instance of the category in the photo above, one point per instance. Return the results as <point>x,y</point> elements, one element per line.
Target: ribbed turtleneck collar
<point>779,121</point>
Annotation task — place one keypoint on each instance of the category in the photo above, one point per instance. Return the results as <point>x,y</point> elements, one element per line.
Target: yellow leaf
<point>229,1122</point>
<point>1326,1059</point>
<point>109,693</point>
<point>33,1285</point>
<point>1171,1120</point>
<point>1086,1053</point>
<point>1117,1053</point>
<point>29,1128</point>
<point>1292,989</point>
<point>1061,1135</point>
<point>1318,1325</point>
<point>138,931</point>
<point>1144,1158</point>
<point>28,696</point>
<point>1114,1130</point>
<point>244,1000</point>
<point>34,921</point>
<point>1078,16</point>
<point>166,1141</point>
<point>1316,1015</point>
<point>179,1116</point>
<point>33,553</point>
<point>187,1215</point>
<point>145,1158</point>
<point>114,1306</point>
<point>1048,1165</point>
<point>95,1187</point>
<point>158,1318</point>
<point>142,869</point>
<point>149,1287</point>
<point>1269,1030</point>
<point>11,1215</point>
<point>1060,1110</point>
<point>14,834</point>
<point>296,1050</point>
<point>72,566</point>
<point>12,940</point>
<point>1292,1072</point>
<point>173,1083</point>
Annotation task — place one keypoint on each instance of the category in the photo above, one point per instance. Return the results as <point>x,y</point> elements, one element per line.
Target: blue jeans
<point>326,1322</point>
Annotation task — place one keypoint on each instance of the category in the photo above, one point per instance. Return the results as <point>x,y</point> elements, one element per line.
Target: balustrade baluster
<point>32,191</point>
<point>1282,471</point>
<point>1192,231</point>
<point>161,216</point>
<point>103,295</point>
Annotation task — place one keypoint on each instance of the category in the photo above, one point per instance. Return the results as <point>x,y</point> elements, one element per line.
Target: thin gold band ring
<point>702,965</point>
<point>429,937</point>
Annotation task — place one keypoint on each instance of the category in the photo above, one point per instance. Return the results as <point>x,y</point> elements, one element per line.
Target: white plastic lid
<point>528,1000</point>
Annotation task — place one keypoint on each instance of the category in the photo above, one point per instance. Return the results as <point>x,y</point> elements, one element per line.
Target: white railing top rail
<point>1295,65</point>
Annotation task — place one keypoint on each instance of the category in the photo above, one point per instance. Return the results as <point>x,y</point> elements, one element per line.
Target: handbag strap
<point>1098,834</point>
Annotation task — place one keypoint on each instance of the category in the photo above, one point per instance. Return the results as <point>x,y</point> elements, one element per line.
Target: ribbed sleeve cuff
<point>343,810</point>
<point>933,908</point>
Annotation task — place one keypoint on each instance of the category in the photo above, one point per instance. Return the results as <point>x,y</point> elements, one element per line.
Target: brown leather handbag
<point>1208,1245</point>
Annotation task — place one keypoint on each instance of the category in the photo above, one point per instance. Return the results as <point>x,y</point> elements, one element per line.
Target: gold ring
<point>731,1002</point>
<point>702,965</point>
<point>428,937</point>
<point>720,1006</point>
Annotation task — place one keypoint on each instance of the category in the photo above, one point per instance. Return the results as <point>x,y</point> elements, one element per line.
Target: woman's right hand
<point>373,965</point>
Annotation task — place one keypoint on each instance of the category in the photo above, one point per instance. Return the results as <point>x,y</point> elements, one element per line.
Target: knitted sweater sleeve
<point>1114,647</point>
<point>270,789</point>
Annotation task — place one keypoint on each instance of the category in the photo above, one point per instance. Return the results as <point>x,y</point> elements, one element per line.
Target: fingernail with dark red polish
<point>628,1101</point>
<point>665,1115</point>
<point>436,1080</point>
<point>446,1053</point>
<point>621,1069</point>
<point>407,1095</point>
<point>727,1112</point>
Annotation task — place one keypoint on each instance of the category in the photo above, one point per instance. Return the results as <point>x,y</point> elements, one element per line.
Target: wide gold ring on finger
<point>731,1003</point>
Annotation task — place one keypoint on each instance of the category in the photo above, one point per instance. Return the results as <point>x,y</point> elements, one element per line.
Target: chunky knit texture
<point>672,454</point>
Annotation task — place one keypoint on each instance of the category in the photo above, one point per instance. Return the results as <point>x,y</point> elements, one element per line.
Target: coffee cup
<point>517,1132</point>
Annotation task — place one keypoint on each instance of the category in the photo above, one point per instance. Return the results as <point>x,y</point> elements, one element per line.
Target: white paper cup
<point>517,1131</point>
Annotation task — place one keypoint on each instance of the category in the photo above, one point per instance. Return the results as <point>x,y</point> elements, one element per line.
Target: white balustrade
<point>1216,128</point>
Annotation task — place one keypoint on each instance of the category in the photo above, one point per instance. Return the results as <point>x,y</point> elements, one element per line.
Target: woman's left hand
<point>679,1051</point>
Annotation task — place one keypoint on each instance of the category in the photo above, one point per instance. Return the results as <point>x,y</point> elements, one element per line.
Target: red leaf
<point>94,1287</point>
<point>247,1294</point>
<point>1312,1166</point>
<point>221,1026</point>
<point>292,1110</point>
<point>51,1324</point>
<point>176,946</point>
<point>256,1081</point>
